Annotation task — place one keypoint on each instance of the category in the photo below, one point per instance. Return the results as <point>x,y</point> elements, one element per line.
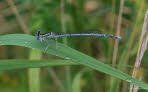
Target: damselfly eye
<point>38,32</point>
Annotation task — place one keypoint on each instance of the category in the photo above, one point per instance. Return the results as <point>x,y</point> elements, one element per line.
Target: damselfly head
<point>38,34</point>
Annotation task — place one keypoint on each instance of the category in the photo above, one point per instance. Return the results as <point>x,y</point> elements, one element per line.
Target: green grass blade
<point>67,53</point>
<point>76,85</point>
<point>19,64</point>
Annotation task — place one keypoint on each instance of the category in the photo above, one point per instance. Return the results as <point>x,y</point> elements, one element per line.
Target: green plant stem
<point>63,25</point>
<point>34,73</point>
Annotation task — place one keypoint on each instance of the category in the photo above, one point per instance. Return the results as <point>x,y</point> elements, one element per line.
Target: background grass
<point>76,16</point>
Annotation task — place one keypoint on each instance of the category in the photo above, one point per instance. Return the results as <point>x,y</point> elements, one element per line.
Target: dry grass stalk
<point>142,48</point>
<point>115,53</point>
<point>56,80</point>
<point>18,16</point>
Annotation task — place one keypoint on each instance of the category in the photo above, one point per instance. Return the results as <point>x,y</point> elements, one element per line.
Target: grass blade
<point>68,53</point>
<point>21,64</point>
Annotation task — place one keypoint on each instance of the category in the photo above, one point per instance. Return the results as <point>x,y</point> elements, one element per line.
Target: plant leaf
<point>18,64</point>
<point>67,53</point>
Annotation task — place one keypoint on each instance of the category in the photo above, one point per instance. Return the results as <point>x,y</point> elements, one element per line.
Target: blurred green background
<point>74,16</point>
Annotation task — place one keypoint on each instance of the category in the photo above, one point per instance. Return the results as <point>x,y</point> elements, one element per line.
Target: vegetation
<point>77,64</point>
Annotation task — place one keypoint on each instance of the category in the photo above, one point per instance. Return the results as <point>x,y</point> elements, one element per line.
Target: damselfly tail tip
<point>118,37</point>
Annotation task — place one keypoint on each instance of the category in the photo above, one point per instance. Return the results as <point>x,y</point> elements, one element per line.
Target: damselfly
<point>44,37</point>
